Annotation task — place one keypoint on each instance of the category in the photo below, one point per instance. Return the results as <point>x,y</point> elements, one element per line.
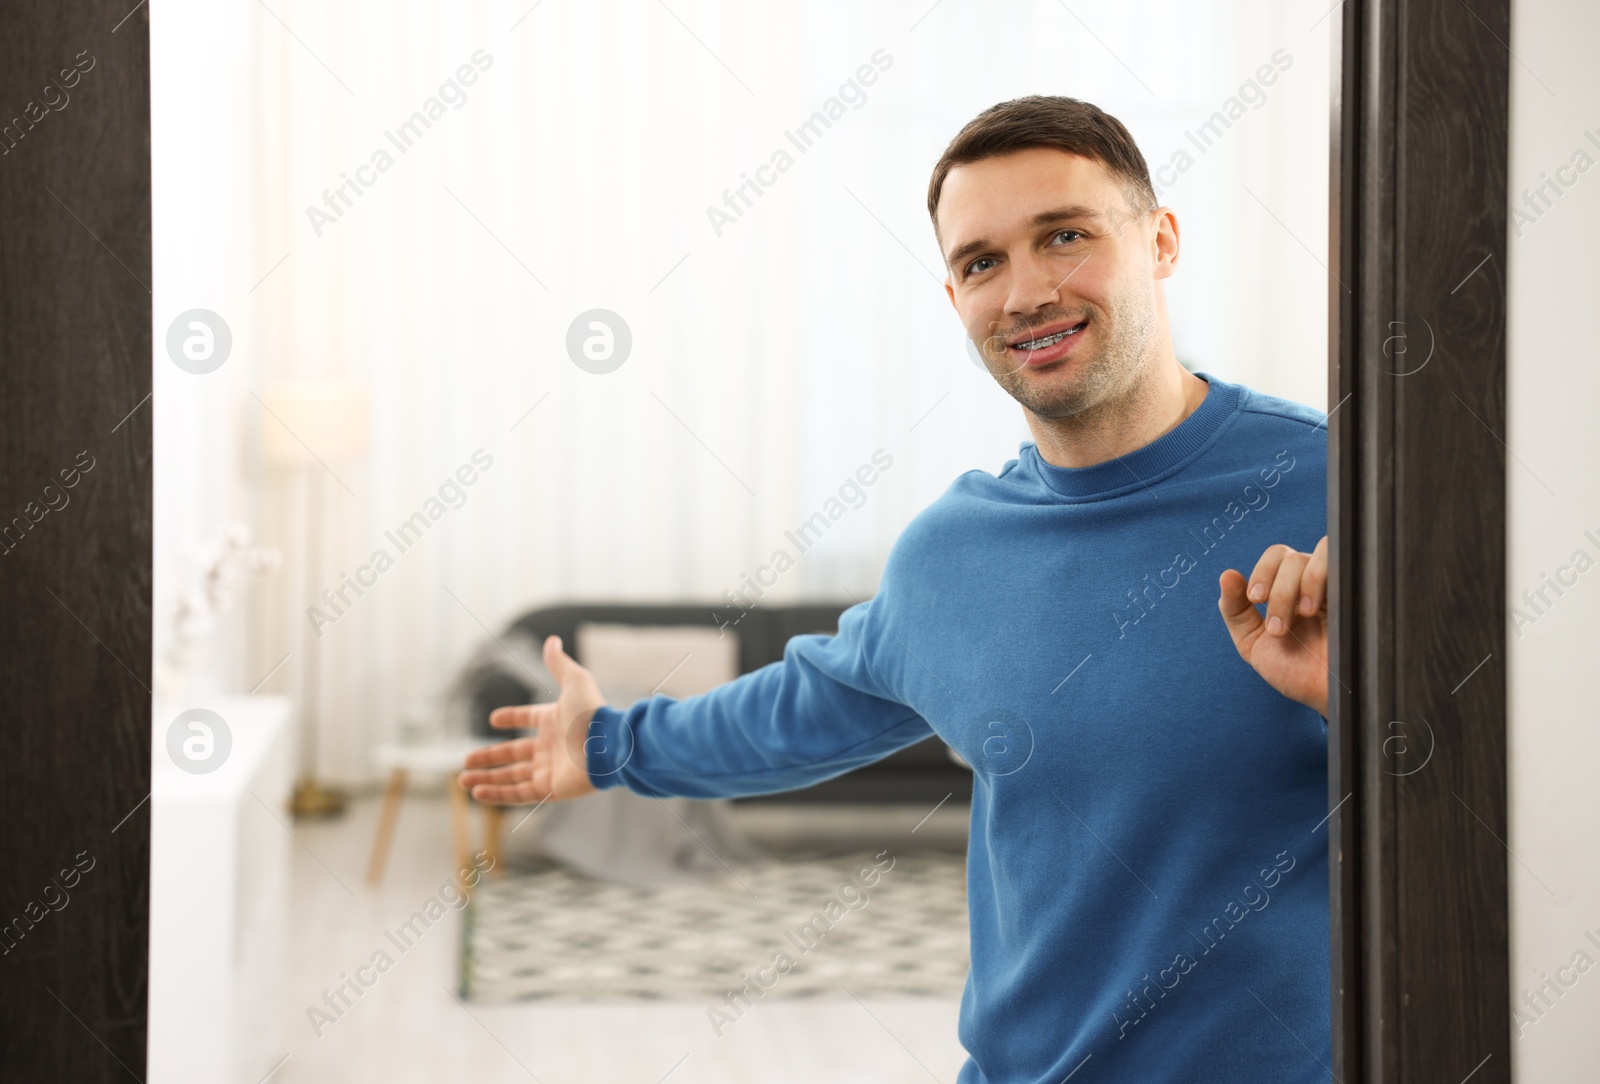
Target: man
<point>1147,870</point>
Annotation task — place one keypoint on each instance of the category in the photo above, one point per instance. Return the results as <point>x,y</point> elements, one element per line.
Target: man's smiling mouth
<point>1044,342</point>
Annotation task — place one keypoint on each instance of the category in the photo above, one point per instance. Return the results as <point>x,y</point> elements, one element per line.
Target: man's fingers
<point>506,752</point>
<point>557,661</point>
<point>512,794</point>
<point>515,717</point>
<point>523,717</point>
<point>1314,581</point>
<point>1266,571</point>
<point>1281,581</point>
<point>1285,593</point>
<point>520,772</point>
<point>1238,612</point>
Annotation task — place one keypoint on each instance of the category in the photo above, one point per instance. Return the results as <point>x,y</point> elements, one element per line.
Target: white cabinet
<point>219,895</point>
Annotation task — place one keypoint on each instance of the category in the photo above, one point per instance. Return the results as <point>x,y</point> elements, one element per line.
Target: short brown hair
<point>1047,121</point>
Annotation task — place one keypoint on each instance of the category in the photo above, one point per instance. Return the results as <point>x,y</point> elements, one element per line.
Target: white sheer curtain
<point>768,363</point>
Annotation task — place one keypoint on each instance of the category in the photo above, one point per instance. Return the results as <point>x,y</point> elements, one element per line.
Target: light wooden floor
<point>410,1027</point>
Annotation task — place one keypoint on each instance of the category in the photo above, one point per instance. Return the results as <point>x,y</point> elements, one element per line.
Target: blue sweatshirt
<point>1147,873</point>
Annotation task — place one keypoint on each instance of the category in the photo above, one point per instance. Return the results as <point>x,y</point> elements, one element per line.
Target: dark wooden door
<point>75,558</point>
<point>1417,502</point>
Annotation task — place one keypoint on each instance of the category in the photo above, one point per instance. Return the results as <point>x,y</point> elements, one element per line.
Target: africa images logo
<point>1253,498</point>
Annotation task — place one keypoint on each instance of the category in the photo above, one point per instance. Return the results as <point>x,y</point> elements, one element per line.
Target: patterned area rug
<point>803,926</point>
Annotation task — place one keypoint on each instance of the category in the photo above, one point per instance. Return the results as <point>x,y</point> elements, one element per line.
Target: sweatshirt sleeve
<point>816,714</point>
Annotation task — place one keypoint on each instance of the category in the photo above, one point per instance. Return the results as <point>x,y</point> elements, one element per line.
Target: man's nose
<point>1038,284</point>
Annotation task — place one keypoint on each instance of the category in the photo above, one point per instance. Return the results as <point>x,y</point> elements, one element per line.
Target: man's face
<point>1040,242</point>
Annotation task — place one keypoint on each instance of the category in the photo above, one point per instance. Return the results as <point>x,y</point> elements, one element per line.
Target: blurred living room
<point>645,346</point>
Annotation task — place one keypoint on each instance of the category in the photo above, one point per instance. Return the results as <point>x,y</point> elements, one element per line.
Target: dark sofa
<point>921,773</point>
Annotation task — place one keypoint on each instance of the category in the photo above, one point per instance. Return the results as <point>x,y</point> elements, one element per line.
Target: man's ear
<point>1165,242</point>
<point>950,292</point>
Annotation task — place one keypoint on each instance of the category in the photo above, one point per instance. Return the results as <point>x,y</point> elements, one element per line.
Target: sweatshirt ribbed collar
<point>1144,466</point>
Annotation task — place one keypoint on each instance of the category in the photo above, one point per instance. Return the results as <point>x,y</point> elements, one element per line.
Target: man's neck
<point>1153,407</point>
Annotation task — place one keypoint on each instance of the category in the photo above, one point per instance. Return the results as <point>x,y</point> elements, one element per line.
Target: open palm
<point>550,764</point>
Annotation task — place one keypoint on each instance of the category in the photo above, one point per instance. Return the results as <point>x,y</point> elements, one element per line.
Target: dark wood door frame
<point>1417,520</point>
<point>75,530</point>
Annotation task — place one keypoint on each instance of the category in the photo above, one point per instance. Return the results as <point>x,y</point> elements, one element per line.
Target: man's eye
<point>973,268</point>
<point>1075,235</point>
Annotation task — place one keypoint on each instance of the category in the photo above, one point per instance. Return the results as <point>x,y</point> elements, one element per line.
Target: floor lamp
<point>313,426</point>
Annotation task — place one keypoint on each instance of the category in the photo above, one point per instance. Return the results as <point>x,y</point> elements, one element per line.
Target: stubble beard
<point>1100,376</point>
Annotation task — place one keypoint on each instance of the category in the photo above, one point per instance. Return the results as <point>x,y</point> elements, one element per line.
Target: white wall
<point>203,170</point>
<point>1554,493</point>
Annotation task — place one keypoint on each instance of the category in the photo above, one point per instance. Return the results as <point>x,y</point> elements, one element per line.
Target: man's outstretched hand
<point>1289,647</point>
<point>551,763</point>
